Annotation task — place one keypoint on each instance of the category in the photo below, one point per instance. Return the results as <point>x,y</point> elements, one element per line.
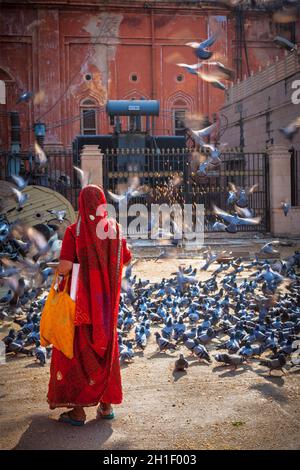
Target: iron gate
<point>170,174</point>
<point>171,177</point>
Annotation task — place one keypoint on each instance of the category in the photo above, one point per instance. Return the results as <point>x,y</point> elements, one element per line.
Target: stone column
<point>92,161</point>
<point>280,189</point>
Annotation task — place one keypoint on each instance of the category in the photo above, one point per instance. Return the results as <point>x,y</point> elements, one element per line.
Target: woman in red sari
<point>92,376</point>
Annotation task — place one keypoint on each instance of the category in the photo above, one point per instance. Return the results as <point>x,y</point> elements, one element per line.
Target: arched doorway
<point>7,104</point>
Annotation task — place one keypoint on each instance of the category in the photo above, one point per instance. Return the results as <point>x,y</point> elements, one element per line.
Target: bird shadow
<point>270,391</point>
<point>124,365</point>
<point>177,375</point>
<point>33,365</point>
<point>234,373</point>
<point>47,433</point>
<point>275,379</point>
<point>199,363</point>
<point>295,371</point>
<point>160,354</point>
<point>139,353</point>
<point>219,368</point>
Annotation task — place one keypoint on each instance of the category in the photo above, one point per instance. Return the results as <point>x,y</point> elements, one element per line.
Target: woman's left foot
<point>105,411</point>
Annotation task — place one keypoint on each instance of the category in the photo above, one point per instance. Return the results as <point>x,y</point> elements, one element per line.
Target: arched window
<point>9,92</point>
<point>88,117</point>
<point>179,111</point>
<point>2,92</point>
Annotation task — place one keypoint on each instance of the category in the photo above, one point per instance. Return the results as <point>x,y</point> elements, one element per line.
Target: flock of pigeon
<point>25,278</point>
<point>214,72</point>
<point>244,309</point>
<point>244,317</point>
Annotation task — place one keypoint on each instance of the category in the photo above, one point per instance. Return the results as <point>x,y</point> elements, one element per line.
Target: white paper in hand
<point>74,281</point>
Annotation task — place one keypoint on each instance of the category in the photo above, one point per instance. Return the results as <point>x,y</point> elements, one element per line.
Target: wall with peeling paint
<point>52,49</point>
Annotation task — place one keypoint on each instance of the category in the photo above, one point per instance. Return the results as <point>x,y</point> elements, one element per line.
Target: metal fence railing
<point>57,174</point>
<point>159,169</point>
<point>170,176</point>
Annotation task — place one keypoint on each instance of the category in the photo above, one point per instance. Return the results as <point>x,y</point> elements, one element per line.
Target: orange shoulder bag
<point>57,321</point>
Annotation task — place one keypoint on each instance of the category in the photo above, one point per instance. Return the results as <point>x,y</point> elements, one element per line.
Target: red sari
<point>93,375</point>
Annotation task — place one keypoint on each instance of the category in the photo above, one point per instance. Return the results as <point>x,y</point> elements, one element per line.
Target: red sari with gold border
<point>93,375</point>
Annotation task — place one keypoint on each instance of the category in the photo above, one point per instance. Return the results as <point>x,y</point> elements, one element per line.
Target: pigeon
<point>219,71</point>
<point>232,197</point>
<point>179,328</point>
<point>291,130</point>
<point>190,68</point>
<point>40,353</point>
<point>285,43</point>
<point>181,364</point>
<point>211,256</point>
<point>198,135</point>
<point>184,279</point>
<point>134,190</point>
<point>189,343</point>
<point>10,337</point>
<point>244,212</point>
<point>6,298</point>
<point>141,337</point>
<point>201,352</point>
<point>274,364</point>
<point>285,207</point>
<point>25,97</point>
<point>168,329</point>
<point>207,337</point>
<point>201,48</point>
<point>163,343</point>
<point>268,248</point>
<point>235,219</point>
<point>59,215</point>
<point>211,78</point>
<point>219,227</point>
<point>231,345</point>
<point>84,176</point>
<point>17,348</point>
<point>20,197</point>
<point>242,194</point>
<point>127,353</point>
<point>231,359</point>
<point>20,182</point>
<point>203,166</point>
<point>40,154</point>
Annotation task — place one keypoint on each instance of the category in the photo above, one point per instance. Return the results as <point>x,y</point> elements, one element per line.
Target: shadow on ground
<point>48,433</point>
<point>268,390</point>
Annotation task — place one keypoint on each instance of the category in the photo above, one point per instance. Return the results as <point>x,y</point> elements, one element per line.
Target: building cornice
<point>157,5</point>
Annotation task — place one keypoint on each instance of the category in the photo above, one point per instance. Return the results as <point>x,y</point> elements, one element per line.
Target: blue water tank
<point>132,108</point>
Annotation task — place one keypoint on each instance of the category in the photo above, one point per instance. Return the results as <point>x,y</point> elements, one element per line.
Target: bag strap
<point>66,279</point>
<point>55,281</point>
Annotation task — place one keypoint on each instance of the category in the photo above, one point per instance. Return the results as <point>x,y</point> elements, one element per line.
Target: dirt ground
<point>208,407</point>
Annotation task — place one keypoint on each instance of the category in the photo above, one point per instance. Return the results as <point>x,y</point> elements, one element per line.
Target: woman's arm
<point>67,253</point>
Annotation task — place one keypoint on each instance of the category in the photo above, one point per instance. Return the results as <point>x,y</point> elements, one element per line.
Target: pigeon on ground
<point>164,344</point>
<point>274,364</point>
<point>181,364</point>
<point>231,359</point>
